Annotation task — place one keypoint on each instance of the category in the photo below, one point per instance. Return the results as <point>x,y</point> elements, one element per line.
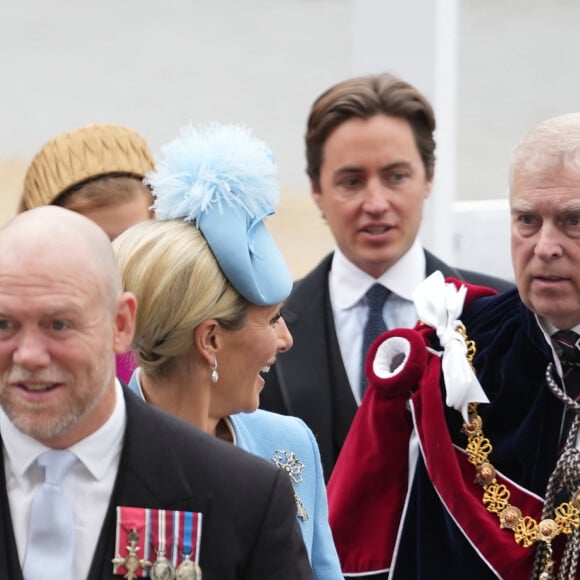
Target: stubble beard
<point>44,422</point>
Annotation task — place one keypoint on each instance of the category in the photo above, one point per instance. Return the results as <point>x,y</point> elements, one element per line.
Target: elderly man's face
<point>545,208</point>
<point>56,347</point>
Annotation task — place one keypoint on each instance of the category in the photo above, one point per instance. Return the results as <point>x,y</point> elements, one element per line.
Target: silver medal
<point>188,570</point>
<point>162,568</point>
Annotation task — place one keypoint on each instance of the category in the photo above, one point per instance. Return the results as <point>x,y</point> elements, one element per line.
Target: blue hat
<point>223,179</point>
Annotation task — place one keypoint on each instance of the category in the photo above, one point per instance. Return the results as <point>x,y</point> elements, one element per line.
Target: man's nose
<point>549,241</point>
<point>31,350</point>
<point>376,200</point>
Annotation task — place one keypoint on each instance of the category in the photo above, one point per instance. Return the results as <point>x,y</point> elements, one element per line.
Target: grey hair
<point>552,144</point>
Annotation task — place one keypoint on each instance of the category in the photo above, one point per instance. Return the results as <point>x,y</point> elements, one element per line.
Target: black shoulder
<point>308,290</point>
<point>433,263</point>
<point>480,279</point>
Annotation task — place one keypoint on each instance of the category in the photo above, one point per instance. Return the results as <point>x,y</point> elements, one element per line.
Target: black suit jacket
<point>249,526</point>
<point>310,381</point>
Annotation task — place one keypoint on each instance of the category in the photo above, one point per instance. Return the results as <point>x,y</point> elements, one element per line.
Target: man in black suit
<point>370,158</point>
<point>137,474</point>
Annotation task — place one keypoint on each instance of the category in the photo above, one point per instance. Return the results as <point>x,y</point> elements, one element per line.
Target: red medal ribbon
<point>145,532</point>
<point>132,530</point>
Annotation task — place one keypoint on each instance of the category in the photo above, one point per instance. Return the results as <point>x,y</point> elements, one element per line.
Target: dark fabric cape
<point>438,526</point>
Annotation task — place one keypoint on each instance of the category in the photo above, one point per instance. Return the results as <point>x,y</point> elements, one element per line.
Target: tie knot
<point>567,344</point>
<point>56,463</point>
<point>376,297</point>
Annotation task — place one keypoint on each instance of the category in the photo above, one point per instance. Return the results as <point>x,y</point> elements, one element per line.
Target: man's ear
<point>124,324</point>
<point>207,339</point>
<point>429,185</point>
<point>316,196</point>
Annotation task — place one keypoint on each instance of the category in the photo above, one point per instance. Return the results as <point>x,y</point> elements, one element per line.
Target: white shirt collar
<point>348,283</point>
<point>97,452</point>
<point>550,329</point>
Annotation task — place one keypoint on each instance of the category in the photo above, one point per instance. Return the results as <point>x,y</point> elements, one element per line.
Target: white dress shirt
<point>88,484</point>
<point>348,285</point>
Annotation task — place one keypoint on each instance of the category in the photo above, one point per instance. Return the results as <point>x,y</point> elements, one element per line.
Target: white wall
<point>492,69</point>
<point>481,236</point>
<point>518,65</point>
<point>156,64</point>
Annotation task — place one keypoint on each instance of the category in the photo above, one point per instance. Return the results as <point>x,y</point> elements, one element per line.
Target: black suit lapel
<point>138,478</point>
<point>320,393</point>
<point>344,403</point>
<point>9,563</point>
<point>433,263</point>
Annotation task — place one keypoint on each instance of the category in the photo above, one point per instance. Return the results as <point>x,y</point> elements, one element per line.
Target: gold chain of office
<point>496,496</point>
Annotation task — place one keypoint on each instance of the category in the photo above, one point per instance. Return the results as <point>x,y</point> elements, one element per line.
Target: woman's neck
<point>181,395</point>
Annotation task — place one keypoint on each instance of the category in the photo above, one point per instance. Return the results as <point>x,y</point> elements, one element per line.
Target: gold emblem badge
<point>131,561</point>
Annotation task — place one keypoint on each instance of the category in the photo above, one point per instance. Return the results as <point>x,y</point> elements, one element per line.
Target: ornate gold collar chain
<point>496,496</point>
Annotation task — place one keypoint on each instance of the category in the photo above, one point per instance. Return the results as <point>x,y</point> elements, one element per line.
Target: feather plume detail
<point>212,165</point>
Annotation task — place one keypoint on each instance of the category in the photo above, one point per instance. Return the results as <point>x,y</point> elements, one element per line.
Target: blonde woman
<point>210,282</point>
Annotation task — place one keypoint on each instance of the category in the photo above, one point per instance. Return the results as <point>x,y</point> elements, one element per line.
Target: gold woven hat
<point>81,154</point>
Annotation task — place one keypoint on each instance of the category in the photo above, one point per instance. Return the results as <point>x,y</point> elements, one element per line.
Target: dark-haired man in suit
<point>370,154</point>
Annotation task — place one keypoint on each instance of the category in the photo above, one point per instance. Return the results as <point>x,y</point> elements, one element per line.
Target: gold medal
<point>131,562</point>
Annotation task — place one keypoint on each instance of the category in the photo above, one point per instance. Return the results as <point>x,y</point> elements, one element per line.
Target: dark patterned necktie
<point>375,325</point>
<point>567,348</point>
<point>566,344</point>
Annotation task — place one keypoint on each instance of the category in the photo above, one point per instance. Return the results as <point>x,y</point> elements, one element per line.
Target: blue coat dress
<point>289,443</point>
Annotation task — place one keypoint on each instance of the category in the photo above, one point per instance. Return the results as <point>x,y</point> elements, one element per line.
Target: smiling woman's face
<point>243,355</point>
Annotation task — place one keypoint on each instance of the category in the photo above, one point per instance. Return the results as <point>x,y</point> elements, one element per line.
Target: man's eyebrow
<point>387,167</point>
<point>568,207</point>
<point>349,169</point>
<point>62,311</point>
<point>398,165</point>
<point>571,206</point>
<point>521,207</point>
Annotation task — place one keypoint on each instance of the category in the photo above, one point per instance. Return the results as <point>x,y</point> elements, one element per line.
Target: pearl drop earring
<point>214,374</point>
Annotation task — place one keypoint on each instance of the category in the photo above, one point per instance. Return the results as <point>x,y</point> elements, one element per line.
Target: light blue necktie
<point>376,297</point>
<point>50,548</point>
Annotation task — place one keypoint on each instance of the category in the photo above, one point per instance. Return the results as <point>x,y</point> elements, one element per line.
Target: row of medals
<point>161,569</point>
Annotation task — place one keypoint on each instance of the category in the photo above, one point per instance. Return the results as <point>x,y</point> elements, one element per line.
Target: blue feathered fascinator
<point>224,180</point>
